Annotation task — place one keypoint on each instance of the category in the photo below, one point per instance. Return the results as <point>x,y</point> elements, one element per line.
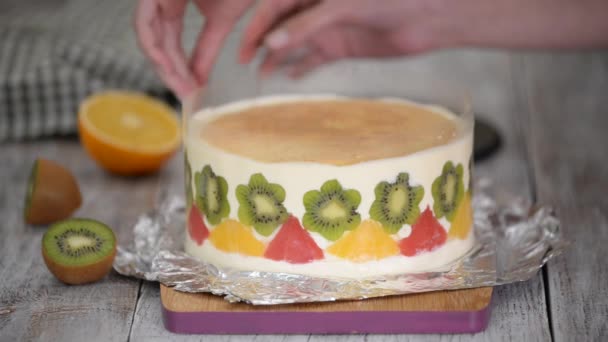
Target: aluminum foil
<point>514,240</point>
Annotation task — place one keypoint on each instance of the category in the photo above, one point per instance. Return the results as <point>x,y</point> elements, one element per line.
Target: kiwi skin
<point>52,193</point>
<point>78,274</point>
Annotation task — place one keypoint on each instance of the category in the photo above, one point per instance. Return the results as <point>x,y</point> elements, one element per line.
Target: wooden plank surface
<point>568,122</point>
<point>33,304</point>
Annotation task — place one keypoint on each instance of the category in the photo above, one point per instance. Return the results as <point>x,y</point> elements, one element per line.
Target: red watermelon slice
<point>293,244</point>
<point>196,226</point>
<point>427,235</point>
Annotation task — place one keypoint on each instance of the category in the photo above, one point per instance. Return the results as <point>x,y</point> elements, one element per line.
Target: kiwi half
<point>261,204</point>
<point>52,193</point>
<point>211,195</point>
<point>79,251</point>
<point>331,211</point>
<point>396,203</point>
<point>448,191</point>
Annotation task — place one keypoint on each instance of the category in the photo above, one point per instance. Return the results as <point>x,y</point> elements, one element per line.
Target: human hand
<point>330,30</point>
<point>159,25</point>
<point>336,29</point>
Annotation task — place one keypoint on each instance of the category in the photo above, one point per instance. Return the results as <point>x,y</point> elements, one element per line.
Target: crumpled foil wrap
<point>514,240</point>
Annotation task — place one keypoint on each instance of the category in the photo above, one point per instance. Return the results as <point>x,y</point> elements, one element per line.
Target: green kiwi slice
<point>79,251</point>
<point>211,195</point>
<point>331,211</point>
<point>448,191</point>
<point>261,204</point>
<point>396,203</point>
<point>52,193</point>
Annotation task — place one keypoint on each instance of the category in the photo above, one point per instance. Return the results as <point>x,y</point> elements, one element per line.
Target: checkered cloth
<point>54,53</point>
<point>40,96</point>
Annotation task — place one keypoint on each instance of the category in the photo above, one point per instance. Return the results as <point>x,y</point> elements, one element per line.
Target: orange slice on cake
<point>366,243</point>
<point>234,237</point>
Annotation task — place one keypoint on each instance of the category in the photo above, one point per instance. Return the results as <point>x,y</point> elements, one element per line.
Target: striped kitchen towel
<point>43,78</point>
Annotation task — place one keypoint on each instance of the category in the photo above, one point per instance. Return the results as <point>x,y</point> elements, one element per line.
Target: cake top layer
<point>329,131</point>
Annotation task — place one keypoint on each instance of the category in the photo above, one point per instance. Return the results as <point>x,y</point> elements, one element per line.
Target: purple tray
<point>294,322</point>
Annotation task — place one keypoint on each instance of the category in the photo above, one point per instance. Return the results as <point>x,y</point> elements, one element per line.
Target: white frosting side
<point>299,177</point>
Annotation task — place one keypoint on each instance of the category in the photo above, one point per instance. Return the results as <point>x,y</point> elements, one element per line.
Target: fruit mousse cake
<point>328,186</point>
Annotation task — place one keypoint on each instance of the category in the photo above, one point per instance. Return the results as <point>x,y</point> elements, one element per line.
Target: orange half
<point>128,133</point>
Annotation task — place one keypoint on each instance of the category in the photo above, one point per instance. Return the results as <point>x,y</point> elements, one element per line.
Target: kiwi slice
<point>188,180</point>
<point>52,193</point>
<point>448,191</point>
<point>79,251</point>
<point>261,204</point>
<point>211,195</point>
<point>331,211</point>
<point>396,203</point>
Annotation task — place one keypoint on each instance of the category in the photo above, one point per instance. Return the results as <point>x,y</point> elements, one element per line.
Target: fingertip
<point>186,91</point>
<point>179,85</point>
<point>277,39</point>
<point>201,70</point>
<point>245,55</point>
<point>248,48</point>
<point>200,79</point>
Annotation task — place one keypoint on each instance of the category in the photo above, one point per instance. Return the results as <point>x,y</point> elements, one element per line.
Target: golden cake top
<point>329,131</point>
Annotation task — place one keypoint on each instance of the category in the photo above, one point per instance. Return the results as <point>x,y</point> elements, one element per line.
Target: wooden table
<point>553,113</point>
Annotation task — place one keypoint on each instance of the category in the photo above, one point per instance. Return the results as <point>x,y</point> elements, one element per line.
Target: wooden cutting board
<point>459,311</point>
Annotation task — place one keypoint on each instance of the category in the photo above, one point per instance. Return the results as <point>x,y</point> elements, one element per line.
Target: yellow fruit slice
<point>234,237</point>
<point>367,242</point>
<point>128,133</point>
<point>463,219</point>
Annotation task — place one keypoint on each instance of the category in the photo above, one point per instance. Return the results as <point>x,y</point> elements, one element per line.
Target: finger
<point>307,65</point>
<point>158,25</point>
<point>269,64</point>
<point>176,83</point>
<point>148,37</point>
<point>172,32</point>
<point>304,26</point>
<point>278,59</point>
<point>207,48</point>
<point>266,16</point>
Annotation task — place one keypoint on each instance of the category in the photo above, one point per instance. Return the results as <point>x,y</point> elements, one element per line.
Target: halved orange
<point>128,133</point>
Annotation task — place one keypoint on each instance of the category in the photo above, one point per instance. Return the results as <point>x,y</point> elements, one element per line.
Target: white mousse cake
<point>328,186</point>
